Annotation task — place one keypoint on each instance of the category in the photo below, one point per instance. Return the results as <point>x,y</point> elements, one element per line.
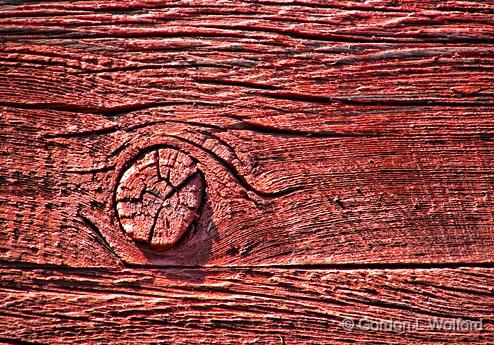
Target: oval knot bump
<point>158,197</point>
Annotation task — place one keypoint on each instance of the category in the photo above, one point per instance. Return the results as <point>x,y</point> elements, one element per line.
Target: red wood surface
<point>232,306</point>
<point>246,171</point>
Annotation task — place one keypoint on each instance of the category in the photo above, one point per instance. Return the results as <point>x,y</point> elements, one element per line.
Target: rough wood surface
<point>271,198</point>
<point>248,306</point>
<point>322,160</point>
<point>326,132</point>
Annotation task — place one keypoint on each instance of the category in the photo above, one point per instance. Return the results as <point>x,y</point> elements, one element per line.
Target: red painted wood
<point>341,136</point>
<point>232,306</point>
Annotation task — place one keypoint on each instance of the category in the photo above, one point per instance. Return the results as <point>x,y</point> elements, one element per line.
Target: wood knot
<point>158,197</point>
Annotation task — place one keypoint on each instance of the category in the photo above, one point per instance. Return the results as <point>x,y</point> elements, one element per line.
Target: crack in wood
<point>98,235</point>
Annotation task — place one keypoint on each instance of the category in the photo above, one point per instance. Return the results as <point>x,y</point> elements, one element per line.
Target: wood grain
<point>271,198</point>
<point>343,161</point>
<point>327,133</point>
<point>234,306</point>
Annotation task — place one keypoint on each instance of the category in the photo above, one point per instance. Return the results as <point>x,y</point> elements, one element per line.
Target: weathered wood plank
<point>81,56</point>
<point>310,20</point>
<point>117,74</point>
<point>411,196</point>
<point>273,197</point>
<point>241,306</point>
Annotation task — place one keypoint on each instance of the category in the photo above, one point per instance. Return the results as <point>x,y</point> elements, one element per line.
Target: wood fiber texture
<point>341,158</point>
<point>253,306</point>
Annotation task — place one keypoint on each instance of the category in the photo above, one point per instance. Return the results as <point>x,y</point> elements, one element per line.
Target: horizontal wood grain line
<point>388,266</point>
<point>372,103</point>
<point>34,55</point>
<point>263,16</point>
<point>33,35</point>
<point>241,306</point>
<point>13,341</point>
<point>105,111</point>
<point>383,6</point>
<point>124,7</point>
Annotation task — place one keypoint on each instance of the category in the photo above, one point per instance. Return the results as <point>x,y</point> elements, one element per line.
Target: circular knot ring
<point>158,197</point>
